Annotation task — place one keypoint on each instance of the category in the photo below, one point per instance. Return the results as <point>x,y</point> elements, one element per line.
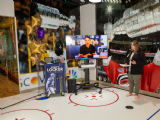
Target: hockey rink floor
<point>87,105</point>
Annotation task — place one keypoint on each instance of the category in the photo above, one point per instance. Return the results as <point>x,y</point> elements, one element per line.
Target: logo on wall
<point>73,74</point>
<point>34,80</point>
<point>27,81</point>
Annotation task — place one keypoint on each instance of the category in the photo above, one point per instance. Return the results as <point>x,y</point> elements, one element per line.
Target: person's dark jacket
<point>140,59</point>
<point>24,39</point>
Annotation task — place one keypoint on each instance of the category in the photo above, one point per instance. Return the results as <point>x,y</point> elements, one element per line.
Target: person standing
<point>136,59</point>
<point>21,59</point>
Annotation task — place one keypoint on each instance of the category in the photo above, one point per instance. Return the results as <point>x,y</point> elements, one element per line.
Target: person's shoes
<point>129,94</point>
<point>136,97</point>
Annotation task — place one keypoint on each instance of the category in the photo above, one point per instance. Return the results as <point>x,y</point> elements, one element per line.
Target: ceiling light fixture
<point>109,8</point>
<point>118,1</point>
<point>95,1</point>
<point>82,0</point>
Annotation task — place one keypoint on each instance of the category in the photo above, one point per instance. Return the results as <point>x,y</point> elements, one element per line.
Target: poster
<point>8,52</point>
<point>55,81</point>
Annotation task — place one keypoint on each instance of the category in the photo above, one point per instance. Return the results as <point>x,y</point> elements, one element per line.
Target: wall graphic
<point>30,80</point>
<point>8,52</point>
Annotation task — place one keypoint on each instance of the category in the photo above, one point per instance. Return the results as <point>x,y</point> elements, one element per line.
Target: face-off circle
<point>27,114</point>
<point>94,99</point>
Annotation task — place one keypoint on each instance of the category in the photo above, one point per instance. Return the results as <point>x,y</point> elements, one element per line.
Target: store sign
<point>29,81</point>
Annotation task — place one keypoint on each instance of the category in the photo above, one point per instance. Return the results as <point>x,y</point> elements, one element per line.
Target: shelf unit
<point>100,73</point>
<point>124,53</point>
<point>127,42</point>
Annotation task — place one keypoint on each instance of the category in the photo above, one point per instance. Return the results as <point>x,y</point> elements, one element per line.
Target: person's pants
<point>134,80</point>
<point>21,66</point>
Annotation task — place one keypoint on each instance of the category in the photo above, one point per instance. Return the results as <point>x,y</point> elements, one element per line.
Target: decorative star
<point>36,20</point>
<point>34,48</point>
<point>34,58</point>
<point>30,30</point>
<point>42,48</point>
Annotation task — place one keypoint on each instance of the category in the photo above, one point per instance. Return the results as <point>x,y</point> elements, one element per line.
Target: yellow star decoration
<point>36,20</point>
<point>34,59</point>
<point>34,48</point>
<point>30,30</point>
<point>43,46</point>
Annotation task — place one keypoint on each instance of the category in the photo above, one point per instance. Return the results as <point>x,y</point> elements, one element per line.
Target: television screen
<point>86,46</point>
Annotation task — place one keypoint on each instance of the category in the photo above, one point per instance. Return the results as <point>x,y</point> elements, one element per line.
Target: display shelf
<point>118,51</point>
<point>127,42</point>
<point>124,53</point>
<point>149,55</point>
<point>156,43</point>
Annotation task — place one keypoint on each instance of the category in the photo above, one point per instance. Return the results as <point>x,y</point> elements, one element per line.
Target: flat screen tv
<point>86,46</point>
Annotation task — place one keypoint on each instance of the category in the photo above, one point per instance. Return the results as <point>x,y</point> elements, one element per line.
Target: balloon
<point>34,47</point>
<point>34,58</point>
<point>40,32</point>
<point>36,20</point>
<point>33,8</point>
<point>30,30</point>
<point>42,48</point>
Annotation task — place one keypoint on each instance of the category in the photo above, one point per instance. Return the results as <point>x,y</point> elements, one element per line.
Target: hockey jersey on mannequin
<point>150,79</point>
<point>116,73</point>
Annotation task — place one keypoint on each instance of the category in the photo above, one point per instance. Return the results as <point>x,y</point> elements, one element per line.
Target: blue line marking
<point>153,114</point>
<point>42,98</point>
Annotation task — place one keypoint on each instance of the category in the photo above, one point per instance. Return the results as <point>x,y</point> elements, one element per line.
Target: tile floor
<point>87,105</point>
